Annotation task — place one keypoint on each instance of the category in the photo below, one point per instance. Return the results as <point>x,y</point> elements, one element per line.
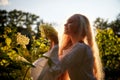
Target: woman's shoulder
<point>54,51</point>
<point>55,47</point>
<point>81,45</point>
<point>78,47</point>
<point>86,48</point>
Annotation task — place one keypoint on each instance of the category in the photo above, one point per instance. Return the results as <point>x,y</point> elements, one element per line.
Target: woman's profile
<point>78,53</point>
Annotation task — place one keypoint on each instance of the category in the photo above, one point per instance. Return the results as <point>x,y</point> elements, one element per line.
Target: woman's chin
<point>65,32</point>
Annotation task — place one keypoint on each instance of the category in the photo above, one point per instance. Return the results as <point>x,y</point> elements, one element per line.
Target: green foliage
<point>115,25</point>
<point>39,47</point>
<point>17,18</point>
<point>109,47</point>
<point>15,56</point>
<point>108,39</point>
<point>100,23</point>
<point>11,56</point>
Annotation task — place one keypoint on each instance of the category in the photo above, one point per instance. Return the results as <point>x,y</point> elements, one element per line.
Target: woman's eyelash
<point>70,22</point>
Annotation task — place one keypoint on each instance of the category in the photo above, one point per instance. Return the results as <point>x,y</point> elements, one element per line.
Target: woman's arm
<point>53,55</point>
<point>73,57</point>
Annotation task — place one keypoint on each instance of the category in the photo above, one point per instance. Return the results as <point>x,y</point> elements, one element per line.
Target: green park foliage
<point>109,46</point>
<point>19,46</point>
<point>108,40</point>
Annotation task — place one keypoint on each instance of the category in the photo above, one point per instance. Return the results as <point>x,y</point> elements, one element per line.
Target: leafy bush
<point>109,47</point>
<point>15,58</point>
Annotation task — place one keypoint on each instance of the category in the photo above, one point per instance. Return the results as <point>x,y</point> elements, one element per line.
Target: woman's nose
<point>65,25</point>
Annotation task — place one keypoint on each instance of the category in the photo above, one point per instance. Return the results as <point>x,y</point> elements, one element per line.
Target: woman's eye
<point>70,22</point>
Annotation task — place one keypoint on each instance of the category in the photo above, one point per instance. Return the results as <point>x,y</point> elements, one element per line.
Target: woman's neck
<point>74,39</point>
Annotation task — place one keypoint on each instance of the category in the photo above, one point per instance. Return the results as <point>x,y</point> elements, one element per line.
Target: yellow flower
<point>22,40</point>
<point>8,41</point>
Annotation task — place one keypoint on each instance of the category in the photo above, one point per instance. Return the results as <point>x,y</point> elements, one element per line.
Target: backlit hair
<point>85,34</point>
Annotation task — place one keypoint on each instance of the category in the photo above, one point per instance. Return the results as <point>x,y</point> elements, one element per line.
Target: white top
<point>41,62</point>
<point>39,65</point>
<point>78,62</point>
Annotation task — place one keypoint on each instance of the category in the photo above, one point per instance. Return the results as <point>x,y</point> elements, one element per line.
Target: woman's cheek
<point>69,25</point>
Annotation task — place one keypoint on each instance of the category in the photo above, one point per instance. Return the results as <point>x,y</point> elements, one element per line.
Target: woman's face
<point>71,26</point>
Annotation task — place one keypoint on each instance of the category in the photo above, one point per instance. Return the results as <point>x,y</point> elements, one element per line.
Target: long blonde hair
<point>85,33</point>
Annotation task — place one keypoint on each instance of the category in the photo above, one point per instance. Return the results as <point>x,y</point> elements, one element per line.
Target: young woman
<point>78,53</point>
